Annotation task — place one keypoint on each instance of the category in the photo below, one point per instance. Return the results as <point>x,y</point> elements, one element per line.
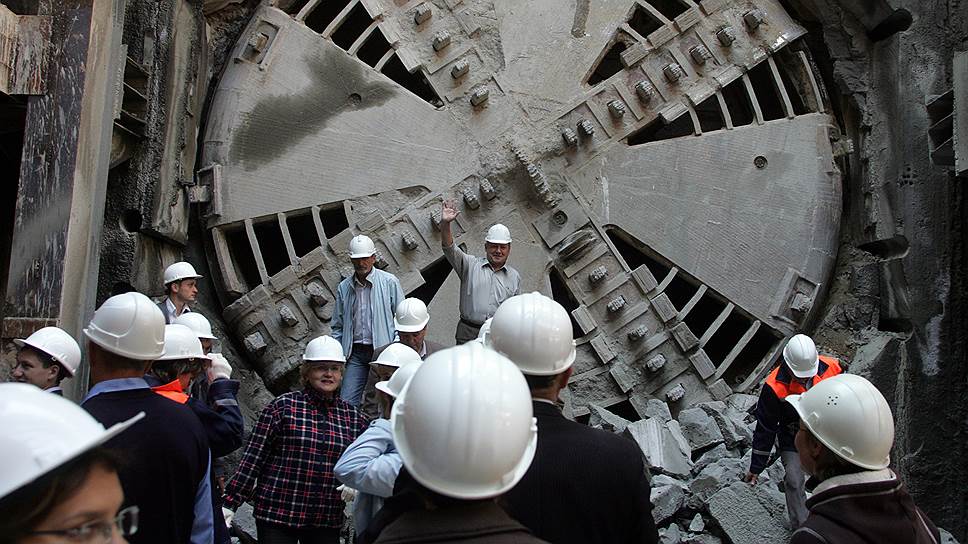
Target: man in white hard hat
<point>45,358</point>
<point>459,470</point>
<point>844,441</point>
<point>776,421</point>
<point>484,282</point>
<point>181,288</point>
<point>410,320</point>
<point>167,458</point>
<point>370,464</point>
<point>363,315</point>
<point>585,485</point>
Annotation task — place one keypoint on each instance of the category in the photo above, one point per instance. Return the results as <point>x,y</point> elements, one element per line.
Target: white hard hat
<point>56,343</point>
<point>196,322</point>
<point>180,271</point>
<point>361,246</point>
<point>851,417</point>
<point>498,234</point>
<point>129,325</point>
<point>484,335</point>
<point>411,315</point>
<point>324,348</point>
<point>801,356</point>
<point>535,332</point>
<point>399,380</point>
<point>464,424</point>
<point>397,355</point>
<point>181,342</point>
<point>42,432</point>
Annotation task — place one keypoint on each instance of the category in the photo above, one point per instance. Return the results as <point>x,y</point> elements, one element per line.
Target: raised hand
<point>449,211</point>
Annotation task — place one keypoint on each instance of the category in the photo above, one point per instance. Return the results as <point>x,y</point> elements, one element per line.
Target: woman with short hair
<point>286,470</point>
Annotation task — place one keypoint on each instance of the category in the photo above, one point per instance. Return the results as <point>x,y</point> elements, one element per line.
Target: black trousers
<point>270,533</point>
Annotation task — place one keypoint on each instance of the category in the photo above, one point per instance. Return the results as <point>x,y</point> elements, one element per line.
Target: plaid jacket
<point>286,470</point>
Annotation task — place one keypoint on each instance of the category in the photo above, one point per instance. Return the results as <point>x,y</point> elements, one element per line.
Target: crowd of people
<point>428,444</point>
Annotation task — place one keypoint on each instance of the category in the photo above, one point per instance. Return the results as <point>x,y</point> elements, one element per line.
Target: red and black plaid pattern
<point>286,471</point>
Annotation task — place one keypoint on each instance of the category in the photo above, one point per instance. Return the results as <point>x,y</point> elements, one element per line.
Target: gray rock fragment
<point>697,525</point>
<point>946,537</point>
<point>713,478</point>
<point>741,402</point>
<point>701,538</point>
<point>700,429</point>
<point>666,501</point>
<point>730,423</point>
<point>607,420</point>
<point>748,514</point>
<point>651,407</point>
<point>663,451</point>
<point>243,525</point>
<point>711,456</point>
<point>670,535</point>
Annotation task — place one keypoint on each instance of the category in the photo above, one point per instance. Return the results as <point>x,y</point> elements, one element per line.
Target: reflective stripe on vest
<point>793,387</point>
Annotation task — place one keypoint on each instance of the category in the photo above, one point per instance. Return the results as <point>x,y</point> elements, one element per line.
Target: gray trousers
<point>793,486</point>
<point>465,332</point>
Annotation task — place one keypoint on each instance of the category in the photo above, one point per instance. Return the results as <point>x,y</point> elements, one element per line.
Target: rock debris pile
<point>697,462</point>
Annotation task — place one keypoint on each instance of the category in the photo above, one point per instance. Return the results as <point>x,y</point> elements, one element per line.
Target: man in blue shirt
<point>363,316</point>
<point>167,461</point>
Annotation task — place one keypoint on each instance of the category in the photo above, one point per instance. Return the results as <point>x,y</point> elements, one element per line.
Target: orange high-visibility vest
<point>793,387</point>
<point>173,391</point>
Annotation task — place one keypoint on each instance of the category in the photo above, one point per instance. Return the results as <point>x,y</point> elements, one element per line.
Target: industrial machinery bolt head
<point>726,36</point>
<point>700,54</point>
<point>801,303</point>
<point>753,19</point>
<point>470,199</point>
<point>645,90</point>
<point>441,40</point>
<point>616,108</point>
<point>654,364</point>
<point>571,139</point>
<point>487,189</point>
<point>255,344</point>
<point>287,316</point>
<point>598,274</point>
<point>479,96</point>
<point>676,393</point>
<point>638,333</point>
<point>409,242</point>
<point>435,218</point>
<point>673,72</point>
<point>586,128</point>
<point>460,68</point>
<point>616,304</point>
<point>422,14</point>
<point>317,295</point>
<point>381,261</point>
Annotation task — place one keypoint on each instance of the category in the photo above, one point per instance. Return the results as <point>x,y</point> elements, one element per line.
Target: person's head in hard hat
<point>45,358</point>
<point>536,333</point>
<point>215,365</point>
<point>181,287</point>
<point>57,481</point>
<point>410,321</point>
<point>362,255</point>
<point>458,470</point>
<point>497,245</point>
<point>801,358</point>
<point>844,441</point>
<point>126,333</point>
<point>181,363</point>
<point>390,360</point>
<point>323,365</point>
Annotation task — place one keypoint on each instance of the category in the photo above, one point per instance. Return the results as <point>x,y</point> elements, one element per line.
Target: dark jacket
<point>584,486</point>
<point>165,457</point>
<point>371,403</point>
<point>776,420</point>
<point>865,509</point>
<point>478,521</point>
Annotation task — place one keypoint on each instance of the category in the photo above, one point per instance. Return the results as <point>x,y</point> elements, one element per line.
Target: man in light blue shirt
<point>363,316</point>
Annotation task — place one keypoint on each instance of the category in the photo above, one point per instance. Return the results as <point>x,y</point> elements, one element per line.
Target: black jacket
<point>584,486</point>
<point>875,511</point>
<point>164,459</point>
<point>478,521</point>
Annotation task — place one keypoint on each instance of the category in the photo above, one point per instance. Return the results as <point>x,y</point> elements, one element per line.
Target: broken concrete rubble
<point>699,428</point>
<point>605,420</point>
<point>664,452</point>
<point>748,513</point>
<point>732,424</point>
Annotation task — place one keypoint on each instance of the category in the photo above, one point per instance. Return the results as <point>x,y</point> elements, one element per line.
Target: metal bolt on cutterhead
<point>676,393</point>
<point>638,333</point>
<point>571,139</point>
<point>441,40</point>
<point>317,295</point>
<point>673,72</point>
<point>754,18</point>
<point>460,68</point>
<point>422,14</point>
<point>255,344</point>
<point>487,189</point>
<point>598,274</point>
<point>480,96</point>
<point>699,54</point>
<point>471,200</point>
<point>435,219</point>
<point>381,261</point>
<point>645,90</point>
<point>288,316</point>
<point>409,242</point>
<point>726,36</point>
<point>655,363</point>
<point>616,108</point>
<point>616,304</point>
<point>586,128</point>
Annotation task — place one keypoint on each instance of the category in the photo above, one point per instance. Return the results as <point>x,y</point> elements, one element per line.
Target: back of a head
<point>535,332</point>
<point>849,416</point>
<point>130,326</point>
<point>397,355</point>
<point>411,315</point>
<point>464,424</point>
<point>42,434</point>
<point>800,355</point>
<point>196,322</point>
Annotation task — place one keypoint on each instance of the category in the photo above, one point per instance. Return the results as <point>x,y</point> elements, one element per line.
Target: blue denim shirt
<point>370,465</point>
<point>385,294</point>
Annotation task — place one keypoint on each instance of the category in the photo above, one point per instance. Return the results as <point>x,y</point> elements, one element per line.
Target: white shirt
<point>172,311</point>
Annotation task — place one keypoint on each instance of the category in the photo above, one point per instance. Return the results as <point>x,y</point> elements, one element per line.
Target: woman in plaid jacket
<point>286,470</point>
